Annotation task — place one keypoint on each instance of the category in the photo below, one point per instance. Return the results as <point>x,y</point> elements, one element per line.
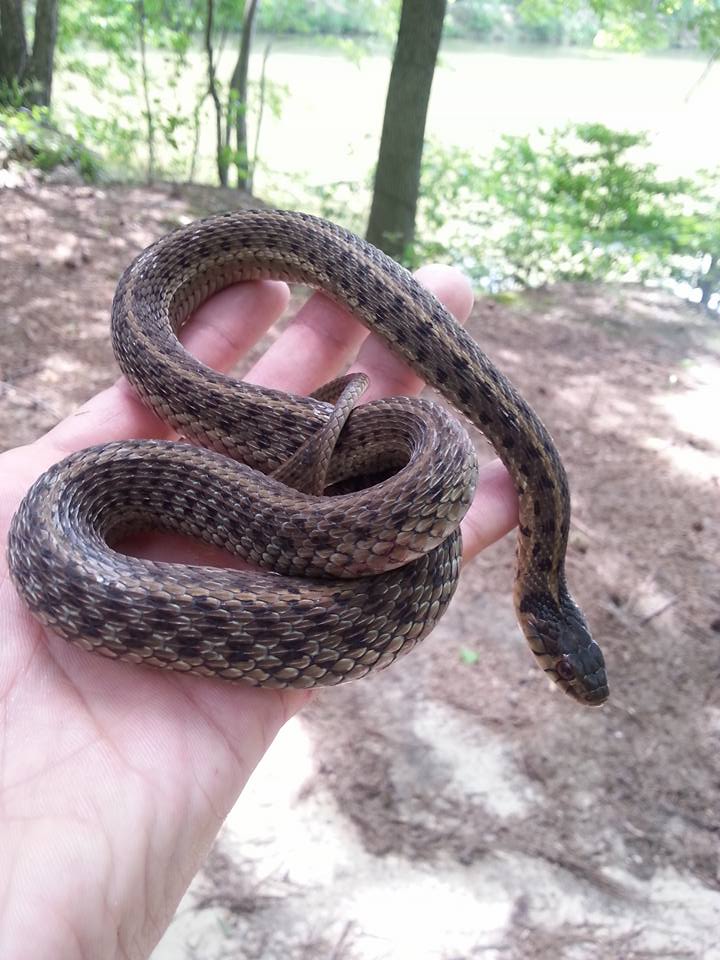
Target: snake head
<point>561,640</point>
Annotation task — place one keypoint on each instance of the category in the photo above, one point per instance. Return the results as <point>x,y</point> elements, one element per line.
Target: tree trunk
<point>13,45</point>
<point>260,114</point>
<point>31,76</point>
<point>40,73</point>
<point>149,117</point>
<point>237,99</point>
<point>221,152</point>
<point>397,177</point>
<point>710,281</point>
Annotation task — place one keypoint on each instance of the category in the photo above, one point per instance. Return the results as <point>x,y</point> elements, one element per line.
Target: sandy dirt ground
<point>456,807</point>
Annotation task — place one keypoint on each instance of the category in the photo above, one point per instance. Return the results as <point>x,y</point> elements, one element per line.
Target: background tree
<point>149,116</point>
<point>220,152</point>
<point>29,78</point>
<point>231,112</point>
<point>397,177</point>
<point>238,100</point>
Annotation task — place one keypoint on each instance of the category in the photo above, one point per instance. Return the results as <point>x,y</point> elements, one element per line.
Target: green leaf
<point>469,657</point>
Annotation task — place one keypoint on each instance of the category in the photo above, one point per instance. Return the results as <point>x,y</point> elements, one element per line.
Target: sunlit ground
<point>694,408</point>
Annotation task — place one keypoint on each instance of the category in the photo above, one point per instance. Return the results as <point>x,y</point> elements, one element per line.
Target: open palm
<point>114,780</point>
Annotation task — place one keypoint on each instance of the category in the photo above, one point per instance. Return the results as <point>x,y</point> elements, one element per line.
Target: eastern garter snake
<point>351,580</point>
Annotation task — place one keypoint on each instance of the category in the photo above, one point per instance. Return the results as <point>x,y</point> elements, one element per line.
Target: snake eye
<point>565,670</point>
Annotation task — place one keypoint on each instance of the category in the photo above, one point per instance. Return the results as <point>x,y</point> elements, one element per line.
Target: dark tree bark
<point>31,75</point>
<point>13,45</point>
<point>40,73</point>
<point>397,177</point>
<point>237,100</point>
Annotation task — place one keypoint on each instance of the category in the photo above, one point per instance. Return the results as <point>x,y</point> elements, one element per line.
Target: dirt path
<point>459,808</point>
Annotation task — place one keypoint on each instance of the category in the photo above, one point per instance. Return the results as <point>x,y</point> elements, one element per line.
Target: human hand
<point>116,779</point>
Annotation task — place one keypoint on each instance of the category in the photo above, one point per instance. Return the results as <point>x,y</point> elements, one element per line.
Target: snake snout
<point>582,675</point>
<point>580,667</point>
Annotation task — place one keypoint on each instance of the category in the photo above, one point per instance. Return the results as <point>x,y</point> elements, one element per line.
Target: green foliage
<point>547,22</point>
<point>119,28</point>
<point>343,201</point>
<point>28,135</point>
<point>637,24</point>
<point>578,203</point>
<point>469,657</point>
<point>479,19</point>
<point>530,21</point>
<point>339,18</point>
<point>112,25</point>
<point>625,24</point>
<point>115,138</point>
<point>630,24</point>
<point>11,95</point>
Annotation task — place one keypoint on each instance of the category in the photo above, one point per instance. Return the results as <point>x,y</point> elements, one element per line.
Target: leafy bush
<point>637,25</point>
<point>30,137</point>
<point>338,18</point>
<point>578,203</point>
<point>11,95</point>
<point>486,20</point>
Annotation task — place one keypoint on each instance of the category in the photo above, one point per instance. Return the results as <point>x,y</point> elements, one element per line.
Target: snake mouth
<point>590,696</point>
<point>596,698</point>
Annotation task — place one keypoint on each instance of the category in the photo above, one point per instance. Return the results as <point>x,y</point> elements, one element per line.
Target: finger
<point>315,347</point>
<point>389,375</point>
<point>229,324</point>
<point>494,510</point>
<point>324,338</point>
<point>221,331</point>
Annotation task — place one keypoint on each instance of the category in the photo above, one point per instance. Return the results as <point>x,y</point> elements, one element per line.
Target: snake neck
<point>524,445</point>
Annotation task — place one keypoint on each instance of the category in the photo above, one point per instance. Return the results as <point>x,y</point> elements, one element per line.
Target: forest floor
<point>456,807</point>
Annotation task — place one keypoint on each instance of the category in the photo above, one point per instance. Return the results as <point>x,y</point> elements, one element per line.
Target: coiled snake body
<point>352,577</point>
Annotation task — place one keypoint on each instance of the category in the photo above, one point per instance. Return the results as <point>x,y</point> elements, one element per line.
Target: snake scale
<point>351,512</point>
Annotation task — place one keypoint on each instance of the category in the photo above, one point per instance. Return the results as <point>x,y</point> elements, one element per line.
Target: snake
<point>348,513</point>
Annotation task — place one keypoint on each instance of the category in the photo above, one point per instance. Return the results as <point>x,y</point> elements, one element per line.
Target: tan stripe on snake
<point>352,578</point>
